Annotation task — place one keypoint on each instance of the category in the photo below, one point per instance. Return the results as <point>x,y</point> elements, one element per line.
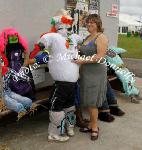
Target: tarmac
<point>135,65</point>
<point>125,133</point>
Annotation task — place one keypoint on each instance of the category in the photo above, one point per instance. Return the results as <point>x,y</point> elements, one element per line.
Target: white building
<point>32,18</point>
<point>128,23</point>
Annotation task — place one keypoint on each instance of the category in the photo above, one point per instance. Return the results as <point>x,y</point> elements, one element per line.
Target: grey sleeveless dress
<point>93,79</point>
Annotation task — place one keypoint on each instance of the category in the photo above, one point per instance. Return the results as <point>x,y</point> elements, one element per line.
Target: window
<point>124,29</point>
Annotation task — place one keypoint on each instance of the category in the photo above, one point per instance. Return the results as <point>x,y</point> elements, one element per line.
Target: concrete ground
<point>135,66</point>
<point>125,133</point>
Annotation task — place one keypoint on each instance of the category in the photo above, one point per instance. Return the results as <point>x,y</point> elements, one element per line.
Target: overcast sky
<point>132,7</point>
<point>130,10</point>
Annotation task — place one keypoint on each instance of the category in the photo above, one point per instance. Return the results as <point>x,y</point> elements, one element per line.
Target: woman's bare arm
<point>102,44</point>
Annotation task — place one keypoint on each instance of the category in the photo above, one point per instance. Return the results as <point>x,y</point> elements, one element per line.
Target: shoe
<point>106,117</point>
<point>133,99</point>
<point>70,130</point>
<point>94,135</point>
<point>57,138</point>
<point>115,110</point>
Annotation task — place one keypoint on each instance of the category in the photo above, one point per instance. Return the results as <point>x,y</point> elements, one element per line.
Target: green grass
<point>133,45</point>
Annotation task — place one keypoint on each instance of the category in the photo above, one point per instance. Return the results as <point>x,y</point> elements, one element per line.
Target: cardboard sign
<point>114,11</point>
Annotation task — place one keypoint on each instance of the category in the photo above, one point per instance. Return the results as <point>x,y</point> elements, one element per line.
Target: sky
<point>130,11</point>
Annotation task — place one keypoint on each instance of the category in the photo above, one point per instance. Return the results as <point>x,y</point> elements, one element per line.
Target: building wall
<point>30,17</point>
<point>110,24</point>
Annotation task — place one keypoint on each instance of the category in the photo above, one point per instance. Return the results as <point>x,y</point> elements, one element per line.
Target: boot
<point>56,127</point>
<point>115,110</point>
<point>106,117</point>
<point>70,120</point>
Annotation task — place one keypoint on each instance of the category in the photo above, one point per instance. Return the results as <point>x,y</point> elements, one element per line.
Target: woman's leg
<point>93,112</point>
<point>93,123</point>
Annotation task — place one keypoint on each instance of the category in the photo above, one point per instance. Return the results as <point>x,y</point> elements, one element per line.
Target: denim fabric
<point>16,102</point>
<point>111,99</point>
<point>77,95</point>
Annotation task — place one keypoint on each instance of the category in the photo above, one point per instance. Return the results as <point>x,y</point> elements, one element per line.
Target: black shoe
<point>106,116</point>
<point>115,110</point>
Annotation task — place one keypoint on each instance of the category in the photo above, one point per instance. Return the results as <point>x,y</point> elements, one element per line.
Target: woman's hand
<point>78,61</point>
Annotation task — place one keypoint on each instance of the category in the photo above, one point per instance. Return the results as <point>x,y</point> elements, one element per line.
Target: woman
<point>93,75</point>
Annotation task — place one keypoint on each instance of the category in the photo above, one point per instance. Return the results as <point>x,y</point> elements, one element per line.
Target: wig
<point>4,39</point>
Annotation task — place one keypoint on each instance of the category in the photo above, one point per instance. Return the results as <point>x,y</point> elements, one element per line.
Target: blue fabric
<point>115,60</point>
<point>111,98</point>
<point>12,100</point>
<point>70,117</point>
<point>128,81</point>
<point>17,102</point>
<point>42,58</point>
<point>117,50</point>
<point>125,76</point>
<point>77,95</point>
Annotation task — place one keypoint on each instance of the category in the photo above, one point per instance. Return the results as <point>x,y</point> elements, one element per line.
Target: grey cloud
<point>127,3</point>
<point>131,7</point>
<point>131,10</point>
